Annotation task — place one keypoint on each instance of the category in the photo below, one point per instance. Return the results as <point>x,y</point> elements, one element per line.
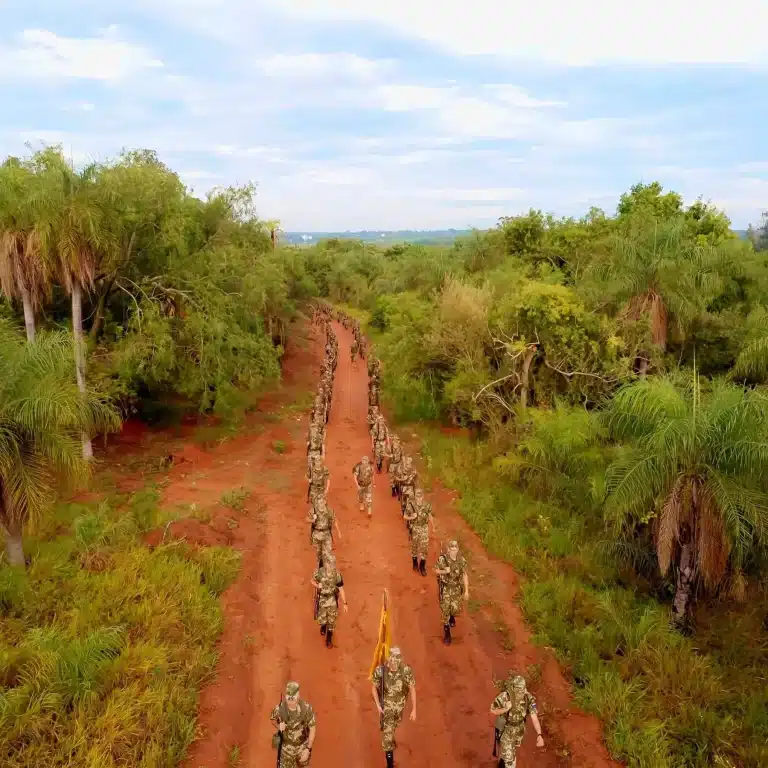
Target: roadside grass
<point>104,643</point>
<point>667,701</point>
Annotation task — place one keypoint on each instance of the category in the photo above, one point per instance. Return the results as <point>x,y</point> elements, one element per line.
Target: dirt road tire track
<point>270,636</point>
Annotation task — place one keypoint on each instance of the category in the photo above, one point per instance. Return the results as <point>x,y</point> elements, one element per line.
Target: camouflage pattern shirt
<point>457,568</point>
<point>319,478</point>
<point>396,685</point>
<point>363,474</point>
<point>322,520</point>
<point>329,580</point>
<point>422,511</point>
<point>297,723</point>
<point>522,706</point>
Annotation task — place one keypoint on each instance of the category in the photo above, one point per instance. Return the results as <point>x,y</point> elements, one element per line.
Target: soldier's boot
<point>502,764</point>
<point>394,492</point>
<point>390,760</point>
<point>447,634</point>
<point>323,627</point>
<point>329,639</point>
<point>423,567</point>
<point>452,621</point>
<point>415,564</point>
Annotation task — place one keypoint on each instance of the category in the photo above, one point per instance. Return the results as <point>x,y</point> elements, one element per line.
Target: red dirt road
<point>270,636</point>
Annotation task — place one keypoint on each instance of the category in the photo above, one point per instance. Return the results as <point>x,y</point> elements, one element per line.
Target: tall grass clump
<point>104,643</point>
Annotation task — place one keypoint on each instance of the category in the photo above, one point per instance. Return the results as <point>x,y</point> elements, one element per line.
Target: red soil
<point>270,637</point>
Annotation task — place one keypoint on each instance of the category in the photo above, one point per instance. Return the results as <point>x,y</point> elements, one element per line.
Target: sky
<point>404,114</point>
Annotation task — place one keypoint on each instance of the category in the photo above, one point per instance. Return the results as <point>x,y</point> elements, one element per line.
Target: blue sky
<point>406,114</point>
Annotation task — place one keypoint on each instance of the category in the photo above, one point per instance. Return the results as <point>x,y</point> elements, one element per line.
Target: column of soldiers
<point>393,682</point>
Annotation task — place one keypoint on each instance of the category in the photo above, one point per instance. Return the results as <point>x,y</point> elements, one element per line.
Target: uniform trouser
<point>392,718</point>
<point>379,449</point>
<point>328,612</point>
<point>511,739</point>
<point>289,757</point>
<point>365,495</point>
<point>450,602</point>
<point>323,544</point>
<point>419,541</point>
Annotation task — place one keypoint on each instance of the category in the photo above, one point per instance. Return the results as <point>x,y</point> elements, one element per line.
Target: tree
<point>657,276</point>
<point>24,272</point>
<point>647,200</point>
<point>75,235</point>
<point>42,415</point>
<point>696,473</point>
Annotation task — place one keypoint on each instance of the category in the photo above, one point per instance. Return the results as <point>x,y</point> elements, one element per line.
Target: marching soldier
<point>511,709</point>
<point>453,583</point>
<point>392,682</point>
<point>419,517</point>
<point>408,479</point>
<point>295,723</point>
<point>363,474</point>
<point>380,440</point>
<point>394,457</point>
<point>323,520</point>
<point>319,479</point>
<point>329,587</point>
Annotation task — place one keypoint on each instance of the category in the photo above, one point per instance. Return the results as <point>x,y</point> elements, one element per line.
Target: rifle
<point>317,604</point>
<point>279,733</point>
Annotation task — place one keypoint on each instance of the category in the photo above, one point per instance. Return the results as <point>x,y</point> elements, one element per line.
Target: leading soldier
<point>392,682</point>
<point>511,709</point>
<point>296,725</point>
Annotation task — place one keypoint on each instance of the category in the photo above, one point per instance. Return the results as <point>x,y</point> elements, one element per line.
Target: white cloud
<point>198,175</point>
<point>567,32</point>
<point>342,176</point>
<point>491,195</point>
<point>321,65</point>
<point>45,55</point>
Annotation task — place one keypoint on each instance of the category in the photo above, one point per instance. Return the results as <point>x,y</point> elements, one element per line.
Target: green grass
<point>235,499</point>
<point>278,446</point>
<point>667,701</point>
<point>105,644</point>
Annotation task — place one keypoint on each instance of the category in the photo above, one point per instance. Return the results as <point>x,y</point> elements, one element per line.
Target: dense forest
<point>595,388</point>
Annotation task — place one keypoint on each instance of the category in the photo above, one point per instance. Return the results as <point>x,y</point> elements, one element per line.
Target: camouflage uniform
<point>394,457</point>
<point>419,527</point>
<point>296,734</point>
<point>513,722</point>
<point>318,480</point>
<point>396,687</point>
<point>364,474</point>
<point>373,395</point>
<point>329,580</point>
<point>315,449</point>
<point>407,480</point>
<point>380,435</point>
<point>322,517</point>
<point>353,350</point>
<point>373,412</point>
<point>452,585</point>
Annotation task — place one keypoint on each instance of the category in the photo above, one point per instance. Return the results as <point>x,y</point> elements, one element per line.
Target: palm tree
<point>42,414</point>
<point>24,272</point>
<point>656,275</point>
<point>74,233</point>
<point>695,473</point>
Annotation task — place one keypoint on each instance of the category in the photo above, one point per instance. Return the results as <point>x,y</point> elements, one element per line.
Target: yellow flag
<point>384,641</point>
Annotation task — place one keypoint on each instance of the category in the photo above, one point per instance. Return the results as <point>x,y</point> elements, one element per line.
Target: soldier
<point>373,394</point>
<point>380,440</point>
<point>511,709</point>
<point>407,479</point>
<point>419,517</point>
<point>391,684</point>
<point>295,723</point>
<point>394,457</point>
<point>315,446</point>
<point>353,351</point>
<point>451,570</point>
<point>323,520</point>
<point>373,412</point>
<point>363,474</point>
<point>319,479</point>
<point>329,586</point>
